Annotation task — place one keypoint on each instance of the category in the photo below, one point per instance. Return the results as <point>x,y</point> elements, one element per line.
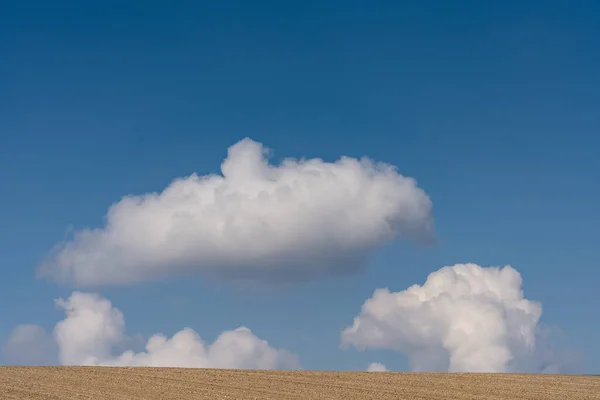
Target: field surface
<point>173,383</point>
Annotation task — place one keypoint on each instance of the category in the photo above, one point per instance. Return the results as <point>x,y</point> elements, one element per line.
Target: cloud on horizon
<point>464,318</point>
<point>29,344</point>
<point>376,367</point>
<point>299,220</point>
<point>93,333</point>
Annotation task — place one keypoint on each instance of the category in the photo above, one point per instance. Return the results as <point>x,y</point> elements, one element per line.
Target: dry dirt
<point>173,383</point>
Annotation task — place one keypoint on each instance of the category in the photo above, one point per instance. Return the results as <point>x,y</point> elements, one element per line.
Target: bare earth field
<point>174,383</point>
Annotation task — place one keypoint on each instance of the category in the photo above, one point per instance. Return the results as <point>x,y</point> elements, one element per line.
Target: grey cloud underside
<point>296,221</point>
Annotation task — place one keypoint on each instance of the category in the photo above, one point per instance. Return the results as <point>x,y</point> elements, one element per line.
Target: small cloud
<point>376,367</point>
<point>30,345</point>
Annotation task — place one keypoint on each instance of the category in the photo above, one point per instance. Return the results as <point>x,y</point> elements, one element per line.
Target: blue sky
<point>492,108</point>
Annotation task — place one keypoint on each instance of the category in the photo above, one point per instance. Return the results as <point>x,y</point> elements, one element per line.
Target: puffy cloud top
<point>464,318</point>
<point>299,220</point>
<point>93,331</point>
<point>90,331</point>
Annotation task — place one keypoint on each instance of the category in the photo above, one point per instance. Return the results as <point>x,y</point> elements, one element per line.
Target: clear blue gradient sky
<point>494,107</point>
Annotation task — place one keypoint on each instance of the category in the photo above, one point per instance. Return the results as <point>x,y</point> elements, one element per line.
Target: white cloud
<point>376,367</point>
<point>299,220</point>
<point>30,345</point>
<point>91,330</point>
<point>464,318</point>
<point>93,333</point>
<point>94,330</point>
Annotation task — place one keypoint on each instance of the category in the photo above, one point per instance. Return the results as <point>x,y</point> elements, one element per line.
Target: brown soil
<point>99,383</point>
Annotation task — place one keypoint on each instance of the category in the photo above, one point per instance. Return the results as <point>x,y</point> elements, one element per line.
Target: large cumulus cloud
<point>463,318</point>
<point>298,220</point>
<point>93,333</point>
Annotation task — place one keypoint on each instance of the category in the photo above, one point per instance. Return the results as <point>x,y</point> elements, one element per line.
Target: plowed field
<point>99,383</point>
